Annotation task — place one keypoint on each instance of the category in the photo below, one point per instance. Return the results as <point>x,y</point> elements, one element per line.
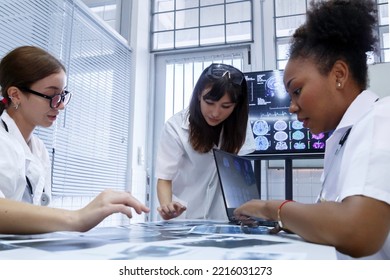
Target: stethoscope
<point>44,197</point>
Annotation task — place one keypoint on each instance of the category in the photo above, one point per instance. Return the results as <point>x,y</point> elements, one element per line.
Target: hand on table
<point>106,203</point>
<point>171,210</point>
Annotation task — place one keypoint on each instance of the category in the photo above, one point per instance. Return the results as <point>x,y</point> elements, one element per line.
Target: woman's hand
<point>24,218</point>
<point>171,210</point>
<point>106,203</point>
<point>253,208</point>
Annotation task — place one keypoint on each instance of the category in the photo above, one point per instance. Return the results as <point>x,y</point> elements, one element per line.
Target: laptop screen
<point>237,178</point>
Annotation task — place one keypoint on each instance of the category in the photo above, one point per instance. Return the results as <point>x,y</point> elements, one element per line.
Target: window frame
<point>197,29</point>
<point>281,61</point>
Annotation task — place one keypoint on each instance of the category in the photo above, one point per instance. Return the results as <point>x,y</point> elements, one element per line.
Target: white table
<point>182,240</point>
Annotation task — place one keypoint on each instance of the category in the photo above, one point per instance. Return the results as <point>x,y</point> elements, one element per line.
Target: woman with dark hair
<point>217,117</point>
<point>33,94</point>
<point>326,78</point>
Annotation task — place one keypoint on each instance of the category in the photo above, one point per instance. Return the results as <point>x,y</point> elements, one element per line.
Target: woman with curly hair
<point>326,78</point>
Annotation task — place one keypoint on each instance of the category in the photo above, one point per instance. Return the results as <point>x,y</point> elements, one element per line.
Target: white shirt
<point>362,166</point>
<point>18,160</point>
<point>194,175</point>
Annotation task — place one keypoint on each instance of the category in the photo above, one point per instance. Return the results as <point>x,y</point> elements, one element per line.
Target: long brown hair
<point>202,135</point>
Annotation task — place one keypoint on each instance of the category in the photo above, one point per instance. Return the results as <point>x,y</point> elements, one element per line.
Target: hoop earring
<point>16,106</point>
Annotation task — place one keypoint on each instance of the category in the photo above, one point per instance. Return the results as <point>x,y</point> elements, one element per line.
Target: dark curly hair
<point>338,30</point>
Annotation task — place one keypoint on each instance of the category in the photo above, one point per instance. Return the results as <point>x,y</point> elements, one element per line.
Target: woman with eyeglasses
<point>327,79</point>
<point>217,117</point>
<point>33,94</point>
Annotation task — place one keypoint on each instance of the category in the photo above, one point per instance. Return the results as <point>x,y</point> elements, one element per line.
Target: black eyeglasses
<point>218,70</point>
<point>55,100</point>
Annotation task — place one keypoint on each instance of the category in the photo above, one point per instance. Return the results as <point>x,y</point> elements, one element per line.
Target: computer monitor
<point>276,130</point>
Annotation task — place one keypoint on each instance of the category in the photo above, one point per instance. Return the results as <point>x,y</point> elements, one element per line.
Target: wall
<point>379,75</point>
<point>139,38</point>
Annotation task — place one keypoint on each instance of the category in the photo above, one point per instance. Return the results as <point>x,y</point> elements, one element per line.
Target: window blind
<point>89,143</point>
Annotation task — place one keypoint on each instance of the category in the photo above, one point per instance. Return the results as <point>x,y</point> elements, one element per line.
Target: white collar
<point>13,129</point>
<point>358,109</point>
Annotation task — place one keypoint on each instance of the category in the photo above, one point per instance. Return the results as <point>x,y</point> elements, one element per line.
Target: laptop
<point>238,183</point>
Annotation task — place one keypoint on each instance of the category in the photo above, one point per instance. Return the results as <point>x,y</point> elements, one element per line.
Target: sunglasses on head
<point>219,70</point>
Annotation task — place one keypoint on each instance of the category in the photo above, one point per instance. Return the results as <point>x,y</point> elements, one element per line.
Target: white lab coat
<point>18,160</point>
<point>362,166</point>
<point>194,175</point>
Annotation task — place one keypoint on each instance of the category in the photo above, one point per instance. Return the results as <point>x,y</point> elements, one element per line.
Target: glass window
<point>235,33</point>
<point>210,2</point>
<point>383,15</point>
<point>384,31</point>
<point>185,4</point>
<point>187,37</point>
<point>212,35</point>
<point>282,48</point>
<point>163,40</point>
<point>164,5</point>
<point>187,18</point>
<point>163,21</point>
<point>237,12</point>
<point>212,15</point>
<point>194,23</point>
<point>384,41</point>
<point>290,7</point>
<point>108,11</point>
<point>289,15</point>
<point>286,26</point>
<point>386,55</point>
